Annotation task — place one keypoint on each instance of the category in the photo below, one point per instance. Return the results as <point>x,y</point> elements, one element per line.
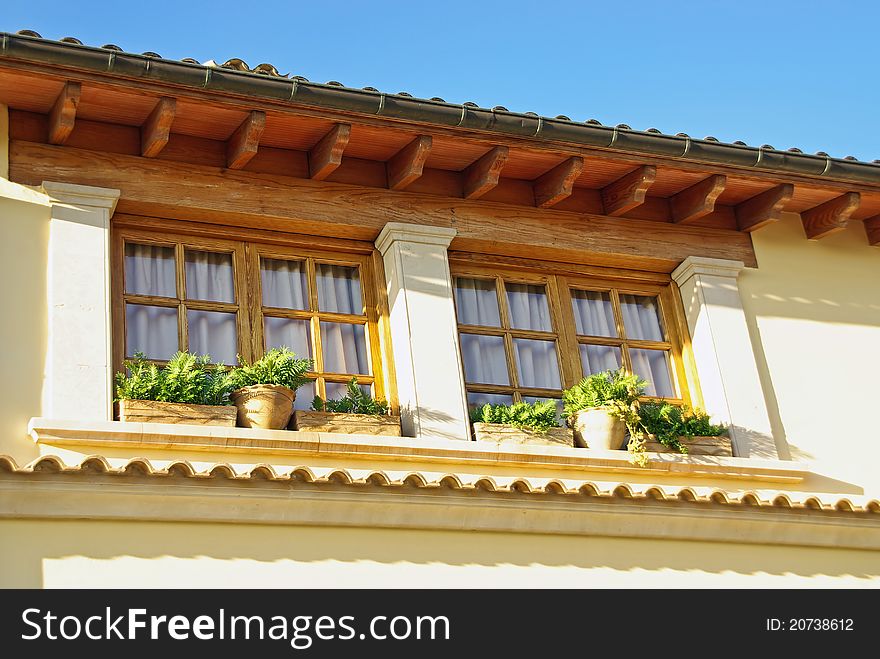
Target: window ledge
<point>248,444</point>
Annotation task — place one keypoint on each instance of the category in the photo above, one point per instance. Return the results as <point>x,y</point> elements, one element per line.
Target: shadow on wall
<point>124,554</point>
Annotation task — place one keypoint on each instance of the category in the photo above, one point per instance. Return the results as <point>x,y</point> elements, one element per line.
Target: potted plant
<point>520,423</point>
<point>263,392</point>
<point>357,412</point>
<point>603,407</point>
<point>677,428</point>
<point>188,389</point>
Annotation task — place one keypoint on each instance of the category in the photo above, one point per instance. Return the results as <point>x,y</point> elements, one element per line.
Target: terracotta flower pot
<point>596,428</point>
<point>266,406</point>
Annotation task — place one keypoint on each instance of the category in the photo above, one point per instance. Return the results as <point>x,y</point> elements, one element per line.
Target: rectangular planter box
<point>697,446</point>
<point>501,432</point>
<point>151,411</point>
<point>353,424</point>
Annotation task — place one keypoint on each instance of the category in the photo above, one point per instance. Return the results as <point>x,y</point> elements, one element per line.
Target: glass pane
<point>339,289</point>
<point>653,366</point>
<point>293,333</point>
<point>528,307</point>
<point>476,302</point>
<point>475,399</point>
<point>484,359</point>
<point>150,330</point>
<point>337,390</point>
<point>284,284</point>
<point>345,348</point>
<point>593,313</point>
<point>536,363</point>
<point>149,270</point>
<point>596,359</point>
<point>213,333</point>
<point>209,276</point>
<point>641,317</point>
<point>304,396</point>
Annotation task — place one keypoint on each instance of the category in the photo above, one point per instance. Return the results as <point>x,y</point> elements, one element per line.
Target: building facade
<point>445,255</point>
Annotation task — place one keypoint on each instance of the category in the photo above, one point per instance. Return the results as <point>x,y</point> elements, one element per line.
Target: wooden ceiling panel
<point>869,207</point>
<point>113,107</point>
<point>29,93</point>
<point>804,198</point>
<point>300,133</point>
<point>528,165</point>
<point>376,143</point>
<point>672,181</point>
<point>599,173</point>
<point>738,190</point>
<point>208,121</point>
<point>455,155</point>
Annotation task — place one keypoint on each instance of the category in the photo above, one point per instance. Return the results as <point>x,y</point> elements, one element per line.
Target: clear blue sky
<point>788,73</point>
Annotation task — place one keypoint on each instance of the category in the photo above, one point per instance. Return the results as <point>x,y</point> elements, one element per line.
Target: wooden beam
<point>629,191</point>
<point>830,217</point>
<point>764,208</point>
<point>482,175</point>
<point>698,200</point>
<point>554,186</point>
<point>155,131</point>
<point>63,114</point>
<point>245,141</point>
<point>273,202</point>
<point>407,165</point>
<point>872,228</point>
<point>326,155</point>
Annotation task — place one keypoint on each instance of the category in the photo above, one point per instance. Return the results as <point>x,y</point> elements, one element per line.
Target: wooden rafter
<point>872,228</point>
<point>764,208</point>
<point>157,128</point>
<point>554,186</point>
<point>63,114</point>
<point>245,141</point>
<point>482,175</point>
<point>326,155</point>
<point>830,217</point>
<point>407,164</point>
<point>698,200</point>
<point>628,191</point>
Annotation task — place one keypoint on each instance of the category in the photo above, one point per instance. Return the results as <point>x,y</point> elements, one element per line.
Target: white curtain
<point>150,330</point>
<point>653,366</point>
<point>149,270</point>
<point>284,284</point>
<point>593,314</point>
<point>339,289</point>
<point>484,360</point>
<point>213,333</point>
<point>536,363</point>
<point>345,348</point>
<point>209,276</point>
<point>528,307</point>
<point>595,359</point>
<point>293,333</point>
<point>641,317</point>
<point>476,302</point>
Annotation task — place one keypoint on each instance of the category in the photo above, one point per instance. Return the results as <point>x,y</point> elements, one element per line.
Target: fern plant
<point>667,422</point>
<point>540,416</point>
<point>355,401</point>
<point>186,378</point>
<point>279,366</point>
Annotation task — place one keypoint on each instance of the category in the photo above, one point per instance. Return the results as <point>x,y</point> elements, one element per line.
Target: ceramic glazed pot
<point>266,406</point>
<point>595,428</point>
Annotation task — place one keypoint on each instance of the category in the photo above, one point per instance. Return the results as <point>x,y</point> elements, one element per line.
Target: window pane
<point>528,307</point>
<point>475,399</point>
<point>484,359</point>
<point>209,276</point>
<point>149,270</point>
<point>536,363</point>
<point>304,396</point>
<point>596,359</point>
<point>293,333</point>
<point>345,348</point>
<point>339,289</point>
<point>477,302</point>
<point>150,330</point>
<point>213,333</point>
<point>284,284</point>
<point>641,317</point>
<point>653,366</point>
<point>337,390</point>
<point>593,313</point>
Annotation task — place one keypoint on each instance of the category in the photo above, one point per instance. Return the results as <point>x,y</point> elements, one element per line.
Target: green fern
<point>279,366</point>
<point>540,416</point>
<point>355,401</point>
<point>186,378</point>
<point>667,422</point>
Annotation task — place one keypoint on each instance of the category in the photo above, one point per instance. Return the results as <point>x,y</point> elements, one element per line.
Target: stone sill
<point>91,437</point>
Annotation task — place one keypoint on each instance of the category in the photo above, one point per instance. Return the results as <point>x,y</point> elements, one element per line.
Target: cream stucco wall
<point>133,554</point>
<point>813,309</point>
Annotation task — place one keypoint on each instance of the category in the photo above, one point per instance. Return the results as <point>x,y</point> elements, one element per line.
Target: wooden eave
<point>300,134</point>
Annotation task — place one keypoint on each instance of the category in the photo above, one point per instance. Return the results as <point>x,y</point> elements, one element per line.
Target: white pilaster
<point>723,353</point>
<point>424,334</point>
<point>79,378</point>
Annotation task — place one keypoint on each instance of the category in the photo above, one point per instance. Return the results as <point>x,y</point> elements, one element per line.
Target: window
<point>229,298</point>
<point>526,335</point>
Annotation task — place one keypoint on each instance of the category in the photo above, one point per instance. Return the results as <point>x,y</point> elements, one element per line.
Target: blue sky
<point>800,74</point>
